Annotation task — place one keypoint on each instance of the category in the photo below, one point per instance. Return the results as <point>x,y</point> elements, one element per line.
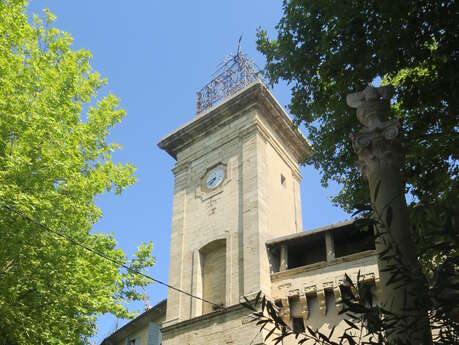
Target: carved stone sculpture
<point>379,153</point>
<point>376,143</point>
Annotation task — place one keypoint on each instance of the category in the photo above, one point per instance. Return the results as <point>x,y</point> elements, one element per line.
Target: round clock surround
<point>213,178</point>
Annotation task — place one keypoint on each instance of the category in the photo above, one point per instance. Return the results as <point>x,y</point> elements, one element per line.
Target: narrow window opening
<point>278,303</point>
<point>283,180</point>
<point>274,259</point>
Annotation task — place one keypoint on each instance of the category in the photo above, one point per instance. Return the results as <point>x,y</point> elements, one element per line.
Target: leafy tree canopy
<point>54,160</point>
<point>327,49</point>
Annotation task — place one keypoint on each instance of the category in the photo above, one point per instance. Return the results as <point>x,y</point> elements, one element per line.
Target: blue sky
<point>156,56</point>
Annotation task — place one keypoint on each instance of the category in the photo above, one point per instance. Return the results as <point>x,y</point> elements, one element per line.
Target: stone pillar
<point>379,157</point>
<point>175,309</point>
<point>329,246</point>
<point>283,266</point>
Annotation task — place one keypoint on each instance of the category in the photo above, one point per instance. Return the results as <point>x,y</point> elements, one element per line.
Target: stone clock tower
<point>237,227</point>
<point>237,185</point>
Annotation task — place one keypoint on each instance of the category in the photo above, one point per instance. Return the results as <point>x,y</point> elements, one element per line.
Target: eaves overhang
<point>300,235</point>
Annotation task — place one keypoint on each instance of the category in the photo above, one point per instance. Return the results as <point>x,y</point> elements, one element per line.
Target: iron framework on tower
<point>234,74</point>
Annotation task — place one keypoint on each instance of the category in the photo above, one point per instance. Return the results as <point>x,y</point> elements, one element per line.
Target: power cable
<point>75,242</point>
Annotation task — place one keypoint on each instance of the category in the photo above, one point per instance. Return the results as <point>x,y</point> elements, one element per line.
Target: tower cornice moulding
<point>256,95</point>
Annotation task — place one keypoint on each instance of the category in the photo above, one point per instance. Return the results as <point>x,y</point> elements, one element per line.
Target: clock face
<point>215,178</point>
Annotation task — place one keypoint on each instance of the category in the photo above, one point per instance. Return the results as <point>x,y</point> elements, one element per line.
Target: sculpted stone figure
<point>376,143</point>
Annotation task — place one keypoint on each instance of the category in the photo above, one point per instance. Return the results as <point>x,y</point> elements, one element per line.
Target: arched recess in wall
<point>213,270</point>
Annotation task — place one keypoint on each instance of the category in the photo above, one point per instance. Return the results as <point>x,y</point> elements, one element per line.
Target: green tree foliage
<point>54,160</point>
<point>327,49</point>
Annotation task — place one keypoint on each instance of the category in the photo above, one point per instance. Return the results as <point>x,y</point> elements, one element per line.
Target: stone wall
<point>140,336</point>
<point>251,139</point>
<point>258,200</point>
<point>144,332</point>
<point>230,327</point>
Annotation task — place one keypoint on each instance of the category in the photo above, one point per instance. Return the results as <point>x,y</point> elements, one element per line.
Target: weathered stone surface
<point>254,141</point>
<point>380,155</point>
<point>219,236</point>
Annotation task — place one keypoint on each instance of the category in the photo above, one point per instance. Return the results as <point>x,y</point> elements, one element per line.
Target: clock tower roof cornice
<point>255,95</point>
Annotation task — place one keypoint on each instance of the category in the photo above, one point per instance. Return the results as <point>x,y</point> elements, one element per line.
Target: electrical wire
<point>114,261</point>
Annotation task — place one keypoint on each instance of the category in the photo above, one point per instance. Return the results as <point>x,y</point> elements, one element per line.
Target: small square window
<point>297,325</point>
<point>278,303</point>
<point>283,180</point>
